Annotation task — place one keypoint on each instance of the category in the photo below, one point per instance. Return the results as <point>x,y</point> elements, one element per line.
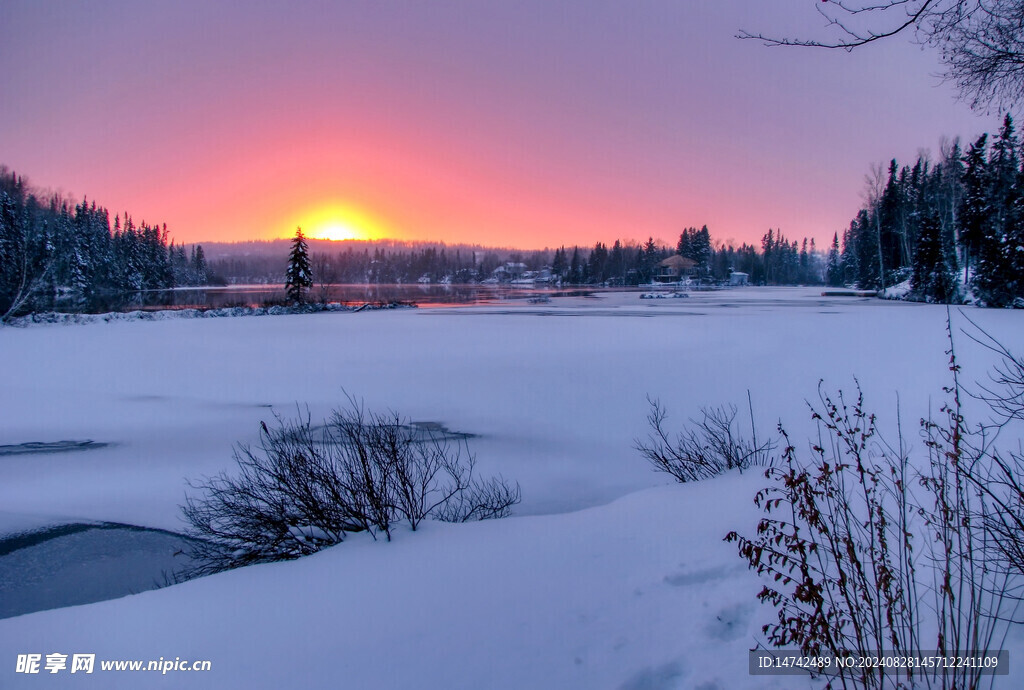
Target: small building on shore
<point>738,278</point>
<point>674,268</point>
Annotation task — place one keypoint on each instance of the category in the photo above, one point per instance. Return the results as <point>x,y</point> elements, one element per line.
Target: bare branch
<point>981,42</point>
<point>305,487</point>
<point>702,450</point>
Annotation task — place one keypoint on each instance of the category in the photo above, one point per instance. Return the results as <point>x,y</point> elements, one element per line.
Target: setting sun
<point>341,222</point>
<point>337,231</point>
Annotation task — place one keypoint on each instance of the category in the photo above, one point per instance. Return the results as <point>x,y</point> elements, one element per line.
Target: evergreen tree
<point>974,208</point>
<point>948,198</point>
<point>12,250</point>
<point>849,259</point>
<point>558,265</point>
<point>299,276</point>
<point>685,244</point>
<point>994,278</point>
<point>199,265</point>
<point>834,270</point>
<point>865,232</point>
<point>696,245</point>
<point>781,259</point>
<point>1015,237</point>
<point>701,251</point>
<point>597,264</point>
<point>816,274</point>
<point>617,264</point>
<point>647,261</point>
<point>805,264</point>
<point>890,220</point>
<point>932,279</point>
<point>575,268</point>
<point>50,245</point>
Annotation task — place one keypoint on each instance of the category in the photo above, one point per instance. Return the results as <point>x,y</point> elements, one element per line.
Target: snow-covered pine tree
<point>1015,237</point>
<point>932,278</point>
<point>199,265</point>
<point>299,276</point>
<point>994,273</point>
<point>974,206</point>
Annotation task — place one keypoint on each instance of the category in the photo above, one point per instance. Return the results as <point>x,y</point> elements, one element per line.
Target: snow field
<point>607,577</point>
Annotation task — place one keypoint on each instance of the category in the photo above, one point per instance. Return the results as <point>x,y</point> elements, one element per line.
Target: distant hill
<point>279,247</point>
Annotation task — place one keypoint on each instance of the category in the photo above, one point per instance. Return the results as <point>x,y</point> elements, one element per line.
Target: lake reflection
<point>263,295</point>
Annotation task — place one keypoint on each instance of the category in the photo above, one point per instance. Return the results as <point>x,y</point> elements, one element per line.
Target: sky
<point>526,123</point>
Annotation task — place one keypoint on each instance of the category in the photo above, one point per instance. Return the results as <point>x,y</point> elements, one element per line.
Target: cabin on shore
<point>738,278</point>
<point>509,271</point>
<point>674,269</point>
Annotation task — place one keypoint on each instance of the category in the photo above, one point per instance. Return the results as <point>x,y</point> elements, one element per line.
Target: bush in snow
<point>707,448</point>
<point>865,552</point>
<point>305,487</point>
<point>999,474</point>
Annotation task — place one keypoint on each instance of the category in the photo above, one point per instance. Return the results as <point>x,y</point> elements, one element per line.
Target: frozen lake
<point>554,393</point>
<point>554,396</point>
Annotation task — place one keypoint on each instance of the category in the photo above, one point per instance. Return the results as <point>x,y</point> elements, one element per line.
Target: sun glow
<point>337,231</point>
<point>341,222</point>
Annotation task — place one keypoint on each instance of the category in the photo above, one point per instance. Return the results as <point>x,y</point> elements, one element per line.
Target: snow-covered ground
<point>606,577</point>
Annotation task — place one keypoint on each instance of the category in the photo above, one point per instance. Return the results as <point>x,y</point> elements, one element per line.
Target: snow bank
<point>638,593</point>
<point>165,314</point>
<point>899,291</point>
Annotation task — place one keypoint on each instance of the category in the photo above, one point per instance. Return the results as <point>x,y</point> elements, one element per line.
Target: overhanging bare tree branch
<point>980,42</point>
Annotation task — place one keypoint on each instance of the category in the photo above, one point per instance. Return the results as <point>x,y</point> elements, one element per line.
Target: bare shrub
<point>866,554</point>
<point>305,487</point>
<point>704,449</point>
<point>1004,390</point>
<point>993,469</point>
<point>1002,485</point>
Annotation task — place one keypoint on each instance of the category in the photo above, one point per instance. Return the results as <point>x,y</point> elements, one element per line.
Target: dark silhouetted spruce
<point>994,278</point>
<point>974,207</point>
<point>299,276</point>
<point>932,279</point>
<point>834,270</point>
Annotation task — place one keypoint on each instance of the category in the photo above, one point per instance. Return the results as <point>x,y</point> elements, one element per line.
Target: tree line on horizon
<point>777,261</point>
<point>54,247</point>
<point>944,226</point>
<point>50,245</point>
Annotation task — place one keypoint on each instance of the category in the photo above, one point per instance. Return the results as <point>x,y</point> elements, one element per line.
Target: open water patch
<point>42,447</point>
<point>81,563</point>
<point>417,432</point>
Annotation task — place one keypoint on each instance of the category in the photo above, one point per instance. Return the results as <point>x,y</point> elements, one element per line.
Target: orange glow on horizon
<point>339,222</point>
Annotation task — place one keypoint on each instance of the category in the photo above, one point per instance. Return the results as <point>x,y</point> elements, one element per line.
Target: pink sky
<point>524,124</point>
